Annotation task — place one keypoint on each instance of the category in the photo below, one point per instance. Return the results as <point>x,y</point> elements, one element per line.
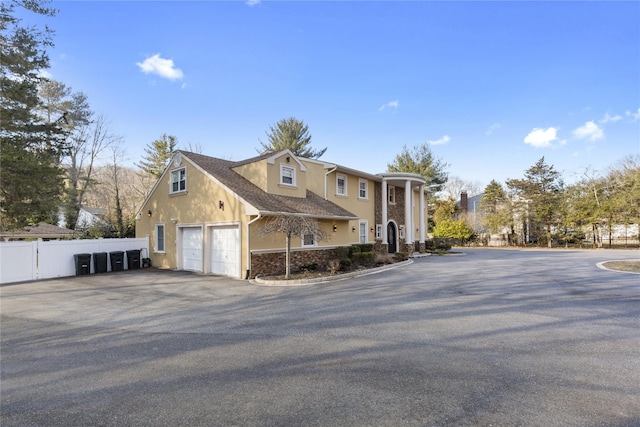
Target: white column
<point>422,224</point>
<point>385,200</point>
<point>408,227</point>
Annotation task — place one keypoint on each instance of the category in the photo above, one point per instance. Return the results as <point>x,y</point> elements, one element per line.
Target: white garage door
<point>225,251</point>
<point>192,248</point>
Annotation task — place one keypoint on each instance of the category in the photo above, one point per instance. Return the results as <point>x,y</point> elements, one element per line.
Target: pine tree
<point>30,148</point>
<point>292,134</point>
<point>159,152</point>
<point>420,160</point>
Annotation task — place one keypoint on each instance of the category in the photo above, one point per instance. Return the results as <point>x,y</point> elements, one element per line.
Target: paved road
<point>496,337</point>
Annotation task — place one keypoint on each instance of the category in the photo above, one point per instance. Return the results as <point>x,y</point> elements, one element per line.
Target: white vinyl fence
<point>21,261</point>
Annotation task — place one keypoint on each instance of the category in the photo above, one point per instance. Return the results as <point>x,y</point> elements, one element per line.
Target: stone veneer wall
<point>272,263</point>
<point>394,212</point>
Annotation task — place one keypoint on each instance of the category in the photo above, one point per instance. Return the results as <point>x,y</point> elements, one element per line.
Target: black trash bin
<point>117,260</point>
<point>100,262</point>
<point>133,259</point>
<point>83,264</point>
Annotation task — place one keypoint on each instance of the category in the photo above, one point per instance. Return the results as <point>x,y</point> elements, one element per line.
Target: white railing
<point>21,261</point>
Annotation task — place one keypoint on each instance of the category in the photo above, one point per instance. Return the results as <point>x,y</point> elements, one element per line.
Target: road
<point>489,338</point>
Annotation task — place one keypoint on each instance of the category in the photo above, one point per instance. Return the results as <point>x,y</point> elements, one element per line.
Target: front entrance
<point>392,238</point>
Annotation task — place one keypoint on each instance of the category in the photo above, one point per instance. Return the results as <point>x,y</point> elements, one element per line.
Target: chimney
<point>464,204</point>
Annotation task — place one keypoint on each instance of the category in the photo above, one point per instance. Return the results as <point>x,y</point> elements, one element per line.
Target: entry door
<point>192,248</point>
<point>225,251</point>
<point>392,238</point>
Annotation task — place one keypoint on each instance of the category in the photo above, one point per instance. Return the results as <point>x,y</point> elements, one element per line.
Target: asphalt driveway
<point>496,337</point>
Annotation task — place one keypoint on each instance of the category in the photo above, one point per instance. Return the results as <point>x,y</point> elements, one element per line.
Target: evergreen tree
<point>30,148</point>
<point>159,152</point>
<point>540,195</point>
<point>293,134</point>
<point>495,208</point>
<point>420,160</point>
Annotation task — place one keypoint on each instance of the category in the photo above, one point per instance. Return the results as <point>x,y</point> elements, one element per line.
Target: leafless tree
<point>293,225</point>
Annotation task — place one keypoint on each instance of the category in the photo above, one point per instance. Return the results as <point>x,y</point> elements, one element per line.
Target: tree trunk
<point>287,274</point>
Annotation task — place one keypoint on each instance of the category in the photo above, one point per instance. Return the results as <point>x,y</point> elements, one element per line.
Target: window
<point>363,186</point>
<point>308,240</point>
<point>392,194</point>
<point>341,185</point>
<point>178,180</point>
<point>363,232</point>
<point>287,175</point>
<point>378,231</point>
<point>159,247</point>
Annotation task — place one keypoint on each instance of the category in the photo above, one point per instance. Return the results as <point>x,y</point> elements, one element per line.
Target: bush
<point>365,259</point>
<point>345,264</point>
<point>401,256</point>
<point>342,252</point>
<point>354,249</point>
<point>365,247</point>
<point>334,266</point>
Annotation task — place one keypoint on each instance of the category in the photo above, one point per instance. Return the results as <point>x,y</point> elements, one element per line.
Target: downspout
<point>325,180</point>
<point>249,245</point>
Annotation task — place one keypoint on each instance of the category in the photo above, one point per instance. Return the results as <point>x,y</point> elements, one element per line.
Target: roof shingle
<point>266,203</point>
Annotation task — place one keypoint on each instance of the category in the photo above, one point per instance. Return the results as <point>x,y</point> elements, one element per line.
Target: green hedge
<point>365,259</point>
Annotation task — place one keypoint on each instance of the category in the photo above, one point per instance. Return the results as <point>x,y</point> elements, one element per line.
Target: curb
<point>601,265</point>
<point>336,278</point>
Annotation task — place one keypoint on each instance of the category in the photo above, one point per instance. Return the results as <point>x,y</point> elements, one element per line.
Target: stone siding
<point>273,263</point>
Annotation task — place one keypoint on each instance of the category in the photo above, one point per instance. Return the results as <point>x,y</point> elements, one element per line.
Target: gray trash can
<point>117,260</point>
<point>133,259</point>
<point>100,262</point>
<point>83,264</point>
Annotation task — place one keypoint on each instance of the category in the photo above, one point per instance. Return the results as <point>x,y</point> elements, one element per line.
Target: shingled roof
<point>266,203</point>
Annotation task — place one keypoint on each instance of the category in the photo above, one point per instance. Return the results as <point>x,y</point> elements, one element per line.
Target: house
<point>205,214</point>
<point>38,231</point>
<point>87,217</point>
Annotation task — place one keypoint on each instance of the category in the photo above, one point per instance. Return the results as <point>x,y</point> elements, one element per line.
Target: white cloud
<point>165,68</point>
<point>589,131</point>
<point>607,118</point>
<point>541,137</point>
<point>252,2</point>
<point>392,104</point>
<point>492,128</point>
<point>634,116</point>
<point>45,74</point>
<point>441,141</point>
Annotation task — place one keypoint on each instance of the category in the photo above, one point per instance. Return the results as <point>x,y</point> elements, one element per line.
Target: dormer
<point>278,173</point>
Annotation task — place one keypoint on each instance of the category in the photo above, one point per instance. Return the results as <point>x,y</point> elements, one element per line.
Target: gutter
<point>335,168</point>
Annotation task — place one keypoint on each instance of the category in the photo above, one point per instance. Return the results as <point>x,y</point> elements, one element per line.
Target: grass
<point>632,266</point>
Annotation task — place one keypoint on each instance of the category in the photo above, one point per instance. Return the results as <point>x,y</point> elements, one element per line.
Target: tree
<point>30,147</point>
<point>292,134</point>
<point>420,160</point>
<point>159,152</point>
<point>495,208</point>
<point>540,196</point>
<point>293,225</point>
<point>459,230</point>
<point>456,185</point>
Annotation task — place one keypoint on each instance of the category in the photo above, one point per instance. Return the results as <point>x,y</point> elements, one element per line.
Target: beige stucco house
<point>205,214</point>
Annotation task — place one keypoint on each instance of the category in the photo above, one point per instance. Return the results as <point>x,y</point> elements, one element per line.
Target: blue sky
<point>492,86</point>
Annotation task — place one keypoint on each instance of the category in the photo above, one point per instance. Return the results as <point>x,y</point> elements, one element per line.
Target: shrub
<point>401,256</point>
<point>365,247</point>
<point>365,259</point>
<point>354,249</point>
<point>345,264</point>
<point>342,252</point>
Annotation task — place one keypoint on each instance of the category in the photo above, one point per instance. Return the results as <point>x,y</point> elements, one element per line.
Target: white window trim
<point>164,238</point>
<point>366,232</point>
<point>391,195</point>
<point>313,245</point>
<point>171,182</point>
<point>366,189</point>
<point>343,177</point>
<point>293,175</point>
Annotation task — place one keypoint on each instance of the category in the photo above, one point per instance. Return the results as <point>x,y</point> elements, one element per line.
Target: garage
<point>225,250</point>
<point>192,248</point>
